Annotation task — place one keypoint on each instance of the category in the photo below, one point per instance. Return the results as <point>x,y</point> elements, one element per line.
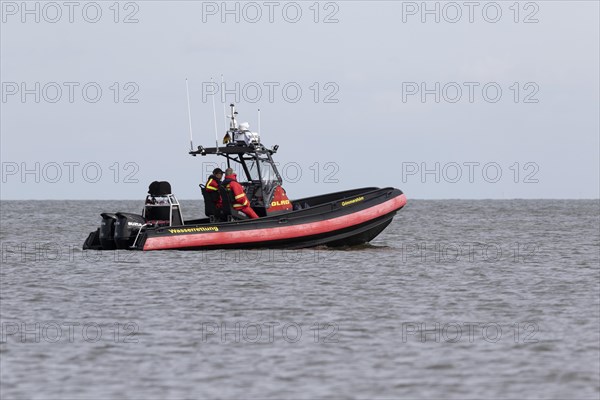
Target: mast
<point>233,114</point>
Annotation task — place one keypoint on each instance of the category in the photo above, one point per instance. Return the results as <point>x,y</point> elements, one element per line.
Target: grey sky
<point>542,134</point>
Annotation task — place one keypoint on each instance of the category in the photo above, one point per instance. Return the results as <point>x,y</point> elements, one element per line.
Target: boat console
<point>254,162</point>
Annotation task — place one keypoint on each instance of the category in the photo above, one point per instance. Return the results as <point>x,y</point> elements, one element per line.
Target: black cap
<point>217,171</point>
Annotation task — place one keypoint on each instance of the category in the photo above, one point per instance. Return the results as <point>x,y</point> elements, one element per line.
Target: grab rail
<point>137,236</point>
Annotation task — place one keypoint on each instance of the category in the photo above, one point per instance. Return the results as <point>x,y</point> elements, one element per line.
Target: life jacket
<point>212,188</point>
<point>212,183</point>
<point>239,196</point>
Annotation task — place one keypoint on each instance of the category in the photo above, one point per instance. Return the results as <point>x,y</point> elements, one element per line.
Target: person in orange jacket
<point>241,202</point>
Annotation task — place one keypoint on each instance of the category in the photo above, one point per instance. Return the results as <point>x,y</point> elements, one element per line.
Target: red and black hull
<point>337,219</point>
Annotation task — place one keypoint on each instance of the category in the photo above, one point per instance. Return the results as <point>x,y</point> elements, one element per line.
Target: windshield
<point>266,169</point>
<point>253,170</point>
<point>268,175</point>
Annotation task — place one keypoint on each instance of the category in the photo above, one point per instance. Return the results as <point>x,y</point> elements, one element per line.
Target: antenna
<point>223,101</point>
<point>215,117</point>
<point>187,88</point>
<point>259,121</point>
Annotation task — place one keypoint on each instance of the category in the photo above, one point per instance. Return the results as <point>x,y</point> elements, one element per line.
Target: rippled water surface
<point>455,299</point>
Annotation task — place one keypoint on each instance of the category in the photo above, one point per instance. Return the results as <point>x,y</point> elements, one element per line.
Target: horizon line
<point>449,198</point>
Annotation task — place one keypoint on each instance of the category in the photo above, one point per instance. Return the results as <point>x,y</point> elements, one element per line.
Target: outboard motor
<point>107,231</point>
<point>119,230</point>
<point>127,227</point>
<point>93,241</point>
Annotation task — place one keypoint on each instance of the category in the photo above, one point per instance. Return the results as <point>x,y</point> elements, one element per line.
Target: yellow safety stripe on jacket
<point>239,196</point>
<point>208,187</point>
<point>241,205</point>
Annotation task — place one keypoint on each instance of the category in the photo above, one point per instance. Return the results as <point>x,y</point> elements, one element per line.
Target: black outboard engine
<point>93,241</point>
<point>120,230</point>
<point>127,227</point>
<point>107,231</point>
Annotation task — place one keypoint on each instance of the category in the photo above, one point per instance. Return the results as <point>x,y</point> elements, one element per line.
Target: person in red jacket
<point>213,204</point>
<point>212,186</point>
<point>241,202</point>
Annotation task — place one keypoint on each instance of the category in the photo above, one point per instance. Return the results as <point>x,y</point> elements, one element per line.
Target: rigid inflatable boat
<point>344,218</point>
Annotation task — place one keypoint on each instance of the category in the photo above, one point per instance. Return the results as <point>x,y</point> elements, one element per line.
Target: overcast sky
<point>475,100</point>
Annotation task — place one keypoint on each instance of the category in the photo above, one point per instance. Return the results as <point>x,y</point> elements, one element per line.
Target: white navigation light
<point>244,136</point>
<point>252,137</point>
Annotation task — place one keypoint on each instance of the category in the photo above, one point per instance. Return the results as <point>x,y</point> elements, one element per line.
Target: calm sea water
<point>456,299</point>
